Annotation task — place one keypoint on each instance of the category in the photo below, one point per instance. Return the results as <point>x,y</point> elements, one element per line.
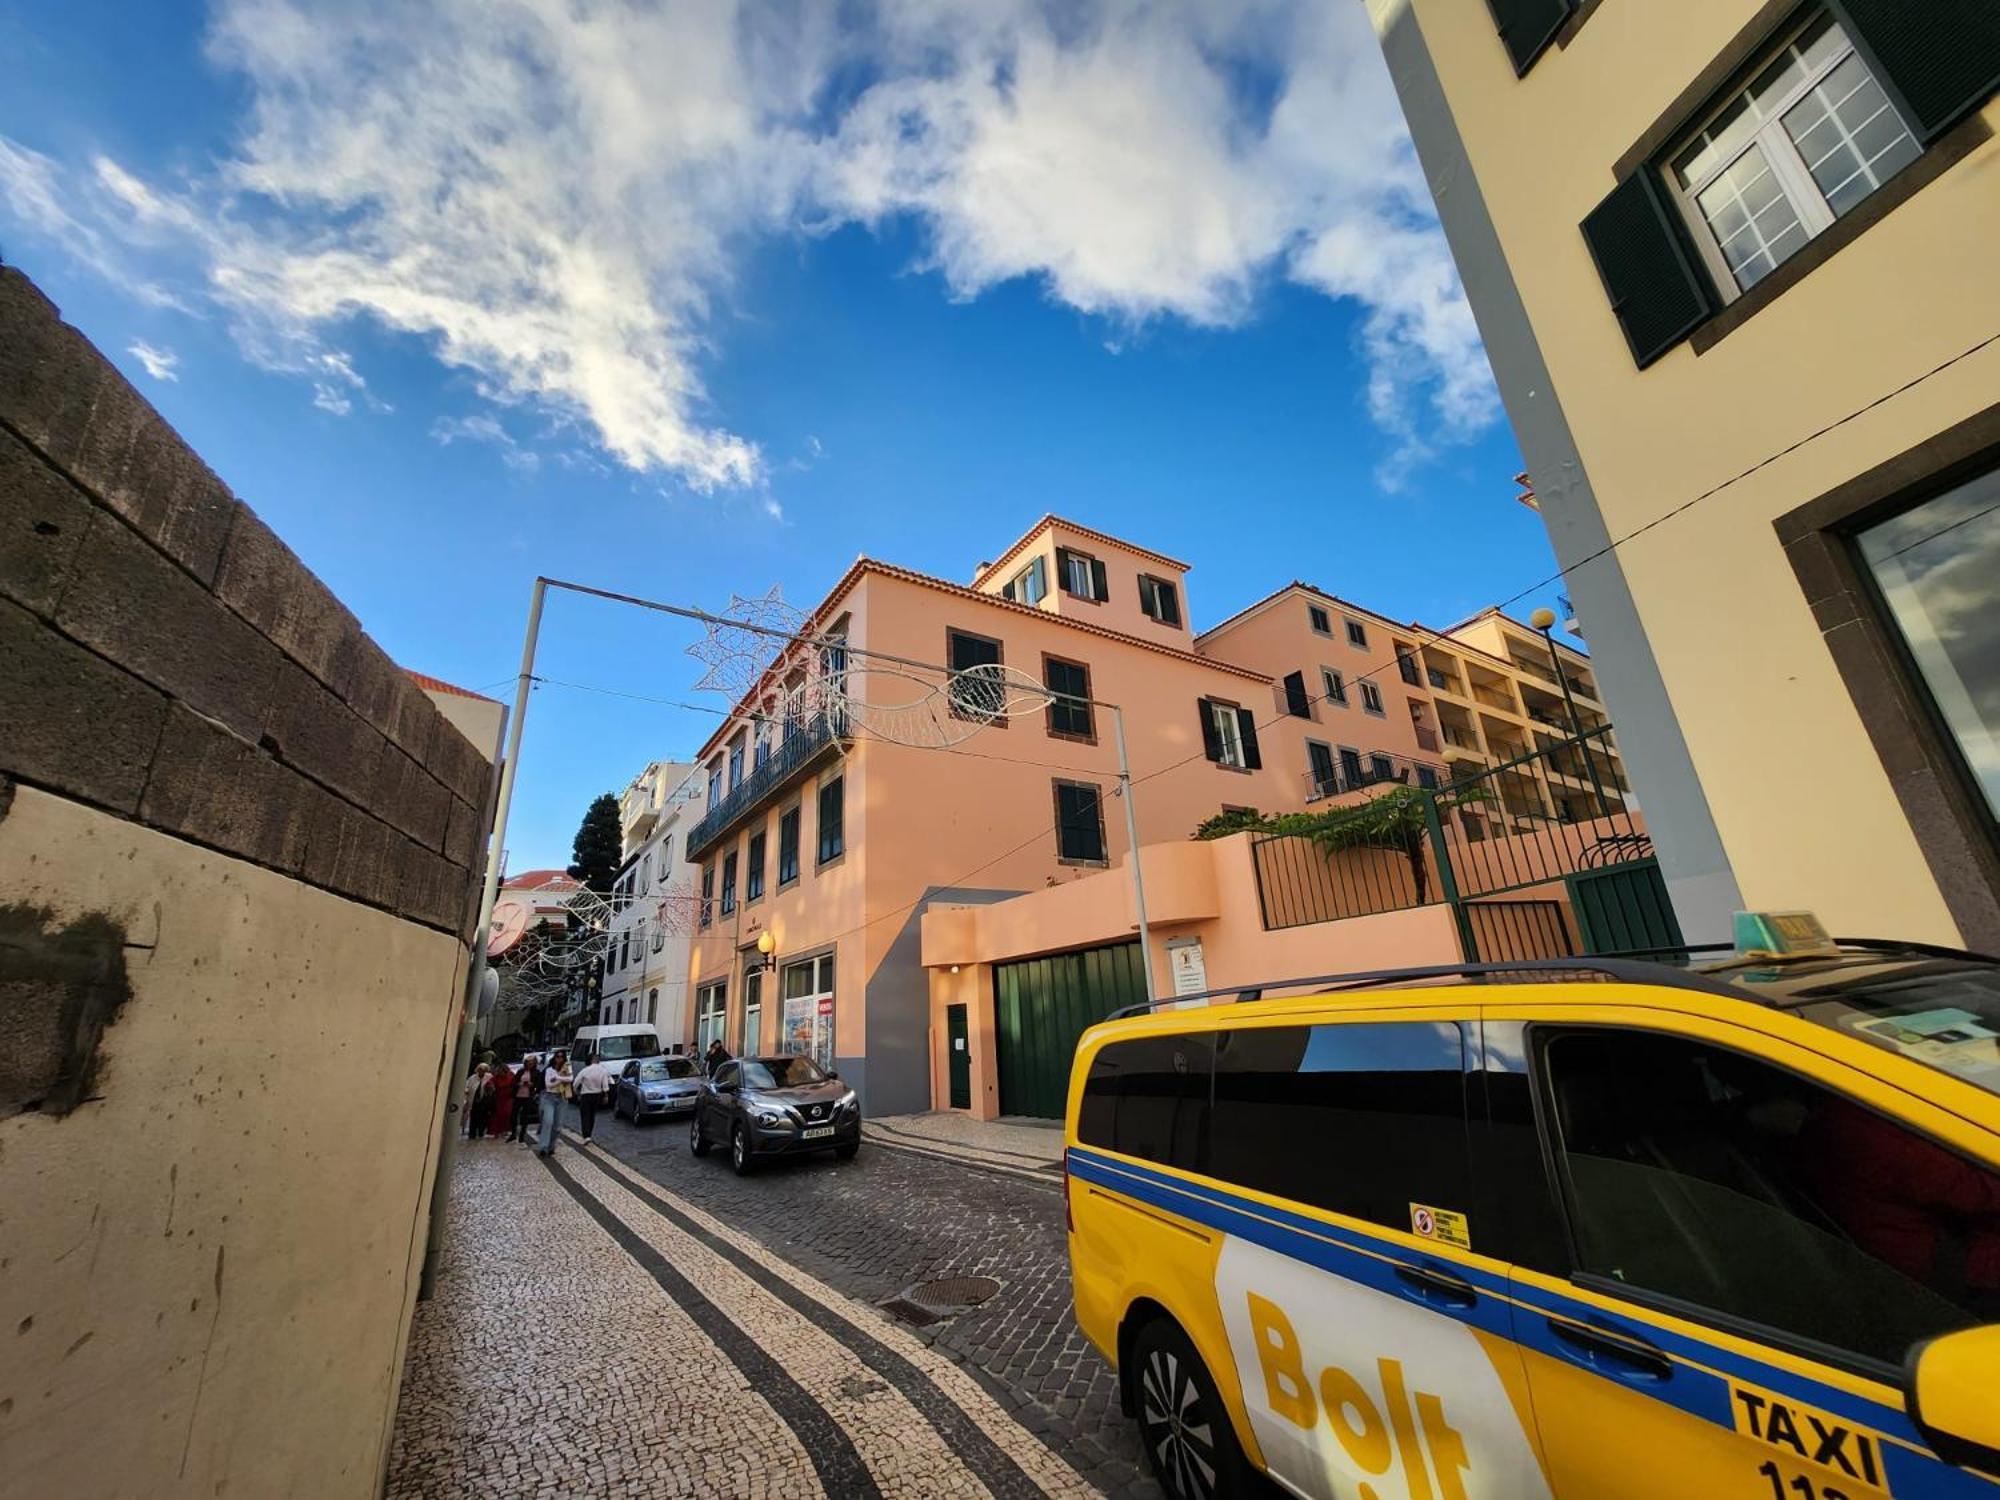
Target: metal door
<point>958,1056</point>
<point>1041,1006</point>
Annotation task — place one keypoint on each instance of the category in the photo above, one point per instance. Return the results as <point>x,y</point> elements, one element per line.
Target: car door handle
<point>1438,1287</point>
<point>1624,1356</point>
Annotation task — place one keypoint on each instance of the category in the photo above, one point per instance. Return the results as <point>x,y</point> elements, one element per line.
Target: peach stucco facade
<point>981,820</point>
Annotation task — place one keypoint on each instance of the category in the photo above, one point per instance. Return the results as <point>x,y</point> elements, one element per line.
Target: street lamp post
<point>1544,620</point>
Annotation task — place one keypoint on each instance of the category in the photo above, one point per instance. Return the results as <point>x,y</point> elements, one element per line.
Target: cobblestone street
<point>628,1320</point>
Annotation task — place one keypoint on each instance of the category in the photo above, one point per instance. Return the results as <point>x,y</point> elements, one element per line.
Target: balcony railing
<point>1395,770</point>
<point>793,754</point>
<point>1464,739</point>
<point>1494,698</point>
<point>1426,738</point>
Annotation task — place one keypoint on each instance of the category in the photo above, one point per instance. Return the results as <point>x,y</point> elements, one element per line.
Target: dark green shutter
<point>1211,742</point>
<point>1657,291</point>
<point>1246,725</point>
<point>1296,702</point>
<point>1941,57</point>
<point>1527,26</point>
<point>1100,588</point>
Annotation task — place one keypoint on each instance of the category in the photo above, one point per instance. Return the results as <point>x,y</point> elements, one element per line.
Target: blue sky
<point>896,289</point>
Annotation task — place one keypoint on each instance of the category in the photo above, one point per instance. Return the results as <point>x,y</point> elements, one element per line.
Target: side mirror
<point>1948,1391</point>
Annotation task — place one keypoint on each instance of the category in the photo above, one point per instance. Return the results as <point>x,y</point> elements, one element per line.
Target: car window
<point>652,1070</point>
<point>1149,1098</point>
<point>1362,1118</point>
<point>632,1070</point>
<point>725,1074</point>
<point>1712,1177</point>
<point>675,1067</point>
<point>782,1072</point>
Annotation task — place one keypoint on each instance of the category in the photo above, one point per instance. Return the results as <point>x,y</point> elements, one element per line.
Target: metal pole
<point>489,894</point>
<point>1132,838</point>
<point>1575,724</point>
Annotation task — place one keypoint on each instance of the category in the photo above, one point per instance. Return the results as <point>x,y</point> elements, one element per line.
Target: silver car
<point>650,1086</point>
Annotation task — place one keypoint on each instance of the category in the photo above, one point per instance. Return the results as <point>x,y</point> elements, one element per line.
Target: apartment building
<point>646,950</point>
<point>1733,263</point>
<point>1367,702</point>
<point>820,845</point>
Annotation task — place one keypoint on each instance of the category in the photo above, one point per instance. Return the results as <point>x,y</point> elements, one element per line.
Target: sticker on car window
<point>1445,1225</point>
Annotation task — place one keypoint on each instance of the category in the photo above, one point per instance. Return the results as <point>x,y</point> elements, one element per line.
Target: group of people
<point>502,1102</point>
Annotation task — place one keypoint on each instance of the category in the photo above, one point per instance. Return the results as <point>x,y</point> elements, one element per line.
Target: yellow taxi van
<point>1718,1225</point>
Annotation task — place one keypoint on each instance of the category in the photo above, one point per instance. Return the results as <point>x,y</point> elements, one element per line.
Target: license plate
<point>818,1132</point>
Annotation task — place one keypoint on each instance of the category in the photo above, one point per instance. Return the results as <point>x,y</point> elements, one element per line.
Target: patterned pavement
<point>627,1320</point>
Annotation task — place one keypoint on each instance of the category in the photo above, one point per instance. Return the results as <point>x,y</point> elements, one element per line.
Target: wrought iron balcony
<point>793,754</point>
<point>1392,770</point>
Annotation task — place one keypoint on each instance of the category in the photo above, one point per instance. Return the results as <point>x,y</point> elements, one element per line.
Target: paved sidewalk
<point>596,1334</point>
<point>1031,1148</point>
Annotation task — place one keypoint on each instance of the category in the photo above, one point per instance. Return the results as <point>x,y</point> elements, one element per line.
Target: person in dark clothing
<point>715,1057</point>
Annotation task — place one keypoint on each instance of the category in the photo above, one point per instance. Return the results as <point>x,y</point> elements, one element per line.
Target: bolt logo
<point>1379,1438</point>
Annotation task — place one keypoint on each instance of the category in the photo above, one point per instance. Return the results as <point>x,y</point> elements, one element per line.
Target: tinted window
<point>781,1072</point>
<point>1149,1098</point>
<point>1364,1118</point>
<point>788,846</point>
<point>633,1044</point>
<point>831,837</point>
<point>1709,1176</point>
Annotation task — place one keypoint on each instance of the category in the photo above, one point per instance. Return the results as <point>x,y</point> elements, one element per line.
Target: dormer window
<point>1159,599</point>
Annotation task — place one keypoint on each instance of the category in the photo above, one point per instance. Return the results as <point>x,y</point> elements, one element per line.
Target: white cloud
<point>161,364</point>
<point>483,428</point>
<point>555,193</point>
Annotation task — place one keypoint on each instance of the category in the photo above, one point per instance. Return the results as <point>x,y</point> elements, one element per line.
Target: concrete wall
<point>1747,748</point>
<point>237,856</point>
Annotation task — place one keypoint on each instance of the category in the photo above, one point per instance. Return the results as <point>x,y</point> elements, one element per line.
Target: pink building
<point>831,846</point>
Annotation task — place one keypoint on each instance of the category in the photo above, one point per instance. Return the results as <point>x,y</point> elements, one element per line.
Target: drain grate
<point>929,1302</point>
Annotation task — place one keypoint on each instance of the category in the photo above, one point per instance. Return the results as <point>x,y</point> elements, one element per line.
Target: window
<point>1406,663</point>
<point>1427,778</point>
<point>1082,575</point>
<point>806,1024</point>
<point>736,763</point>
<point>1371,698</point>
<point>714,785</point>
<point>1071,719</point>
<point>1717,1179</point>
<point>652,1007</point>
<point>832,837</point>
<point>1382,1104</point>
<point>1159,599</point>
<point>1079,822</point>
<point>1350,767</point>
<point>1357,635</point>
<point>1324,782</point>
<point>1380,768</point>
<point>1229,735</point>
<point>1335,685</point>
<point>1030,585</point>
<point>762,752</point>
<point>1297,704</point>
<point>1322,623</point>
<point>729,882</point>
<point>710,1006</point>
<point>1812,136</point>
<point>646,873</point>
<point>1149,1098</point>
<point>753,879</point>
<point>1934,565</point>
<point>788,846</point>
<point>976,696</point>
<point>707,894</point>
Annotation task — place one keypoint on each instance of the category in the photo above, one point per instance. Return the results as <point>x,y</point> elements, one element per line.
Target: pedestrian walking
<point>478,1101</point>
<point>556,1084</point>
<point>593,1090</point>
<point>527,1089</point>
<point>715,1057</point>
<point>502,1115</point>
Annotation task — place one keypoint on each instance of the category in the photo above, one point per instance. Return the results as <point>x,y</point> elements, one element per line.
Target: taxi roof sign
<point>1781,934</point>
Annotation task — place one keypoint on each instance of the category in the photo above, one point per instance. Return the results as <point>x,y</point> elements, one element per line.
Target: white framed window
<point>1335,685</point>
<point>1319,620</point>
<point>1077,577</point>
<point>1228,734</point>
<point>1371,698</point>
<point>1031,584</point>
<point>1811,136</point>
<point>1357,634</point>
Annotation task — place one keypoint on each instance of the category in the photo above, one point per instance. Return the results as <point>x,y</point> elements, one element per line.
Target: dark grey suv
<point>775,1106</point>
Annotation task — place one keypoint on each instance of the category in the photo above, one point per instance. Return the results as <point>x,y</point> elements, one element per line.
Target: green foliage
<point>596,855</point>
<point>1230,820</point>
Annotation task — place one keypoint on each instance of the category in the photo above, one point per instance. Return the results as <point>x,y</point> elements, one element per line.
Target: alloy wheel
<point>1175,1426</point>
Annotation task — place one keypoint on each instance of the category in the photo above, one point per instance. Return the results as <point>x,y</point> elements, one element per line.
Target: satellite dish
<point>510,921</point>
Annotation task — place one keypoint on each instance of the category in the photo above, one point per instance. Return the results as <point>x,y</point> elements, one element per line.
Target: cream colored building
<point>1734,267</point>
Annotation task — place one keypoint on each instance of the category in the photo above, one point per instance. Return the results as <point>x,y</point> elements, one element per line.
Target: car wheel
<point>846,1153</point>
<point>1183,1424</point>
<point>739,1152</point>
<point>697,1142</point>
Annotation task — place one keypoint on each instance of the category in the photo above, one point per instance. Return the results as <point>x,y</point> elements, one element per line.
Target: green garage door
<point>1041,1006</point>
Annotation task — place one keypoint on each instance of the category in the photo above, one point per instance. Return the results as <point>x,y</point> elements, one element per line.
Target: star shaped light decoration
<point>735,657</point>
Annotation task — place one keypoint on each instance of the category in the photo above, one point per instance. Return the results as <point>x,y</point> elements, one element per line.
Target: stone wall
<point>238,858</point>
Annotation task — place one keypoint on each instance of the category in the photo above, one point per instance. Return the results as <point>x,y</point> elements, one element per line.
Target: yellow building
<point>1734,267</point>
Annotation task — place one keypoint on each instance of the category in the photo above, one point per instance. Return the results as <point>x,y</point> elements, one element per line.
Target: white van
<point>615,1044</point>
